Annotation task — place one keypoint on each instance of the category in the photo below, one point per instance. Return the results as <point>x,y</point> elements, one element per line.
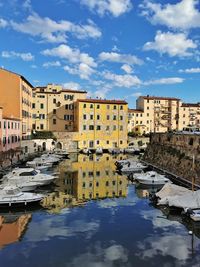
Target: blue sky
<point>117,49</point>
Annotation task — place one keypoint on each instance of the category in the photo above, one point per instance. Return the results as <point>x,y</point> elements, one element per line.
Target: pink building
<point>10,132</point>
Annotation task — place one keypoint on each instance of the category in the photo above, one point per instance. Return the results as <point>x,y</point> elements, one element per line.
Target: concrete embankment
<point>177,153</point>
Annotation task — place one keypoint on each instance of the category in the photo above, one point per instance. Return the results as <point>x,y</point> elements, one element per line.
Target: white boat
<point>151,178</point>
<point>61,152</point>
<point>86,151</point>
<point>12,196</point>
<point>39,165</point>
<point>193,214</point>
<point>99,151</point>
<point>132,150</point>
<point>169,190</point>
<point>28,175</point>
<point>132,166</point>
<point>24,186</point>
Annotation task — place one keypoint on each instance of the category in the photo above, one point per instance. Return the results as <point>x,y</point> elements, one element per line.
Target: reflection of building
<point>12,228</point>
<point>90,177</point>
<point>97,178</point>
<point>101,123</point>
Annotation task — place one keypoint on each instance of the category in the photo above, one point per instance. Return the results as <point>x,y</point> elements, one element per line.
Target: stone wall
<point>175,153</point>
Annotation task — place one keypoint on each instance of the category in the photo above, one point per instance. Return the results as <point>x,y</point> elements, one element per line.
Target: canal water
<point>96,218</point>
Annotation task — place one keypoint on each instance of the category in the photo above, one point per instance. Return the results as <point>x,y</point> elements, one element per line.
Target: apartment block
<point>16,100</point>
<point>190,115</point>
<point>10,129</point>
<point>53,108</point>
<point>155,114</point>
<point>101,123</point>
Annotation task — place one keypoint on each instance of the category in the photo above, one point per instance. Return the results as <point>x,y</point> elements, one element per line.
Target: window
<point>98,117</point>
<point>121,107</point>
<point>54,100</point>
<point>121,118</point>
<point>147,107</point>
<point>98,127</point>
<point>84,105</point>
<point>54,121</point>
<point>66,127</point>
<point>108,117</point>
<point>54,111</point>
<point>107,128</point>
<point>41,126</point>
<point>98,106</point>
<point>97,142</point>
<point>147,114</point>
<point>114,127</point>
<point>121,142</point>
<point>91,127</point>
<point>91,105</point>
<point>114,117</point>
<point>41,106</point>
<point>114,107</point>
<point>107,142</point>
<point>84,116</point>
<point>121,128</point>
<point>91,117</point>
<point>66,106</point>
<point>84,127</point>
<point>66,117</point>
<point>33,105</point>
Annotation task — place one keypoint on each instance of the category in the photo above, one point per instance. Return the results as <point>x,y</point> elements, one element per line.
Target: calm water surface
<point>96,218</point>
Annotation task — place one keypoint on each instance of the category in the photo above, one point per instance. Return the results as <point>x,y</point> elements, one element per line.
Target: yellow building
<point>155,114</point>
<point>190,114</point>
<point>101,123</point>
<point>53,108</point>
<point>16,100</point>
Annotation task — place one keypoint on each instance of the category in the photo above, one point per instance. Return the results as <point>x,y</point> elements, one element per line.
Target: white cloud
<point>13,54</point>
<point>73,55</point>
<point>51,64</point>
<point>72,85</point>
<point>137,94</point>
<point>192,70</point>
<point>115,7</point>
<point>127,68</point>
<point>172,80</point>
<point>183,15</point>
<point>120,58</point>
<point>122,80</point>
<point>83,70</point>
<point>3,23</point>
<point>115,48</point>
<point>174,44</point>
<point>55,32</point>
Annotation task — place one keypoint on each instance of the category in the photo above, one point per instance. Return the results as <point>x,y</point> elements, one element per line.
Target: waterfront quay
<point>94,216</point>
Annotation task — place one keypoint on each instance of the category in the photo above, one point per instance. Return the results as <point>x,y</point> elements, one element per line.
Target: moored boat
<point>151,178</point>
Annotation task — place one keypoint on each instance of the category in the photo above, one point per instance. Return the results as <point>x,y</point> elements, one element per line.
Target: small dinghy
<point>151,178</point>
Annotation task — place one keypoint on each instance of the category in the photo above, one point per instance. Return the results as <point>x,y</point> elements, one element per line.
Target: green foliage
<point>43,135</point>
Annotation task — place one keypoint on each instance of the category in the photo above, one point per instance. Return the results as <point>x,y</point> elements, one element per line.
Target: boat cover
<point>172,190</point>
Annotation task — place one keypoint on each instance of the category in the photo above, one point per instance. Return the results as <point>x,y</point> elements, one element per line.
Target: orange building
<point>16,100</point>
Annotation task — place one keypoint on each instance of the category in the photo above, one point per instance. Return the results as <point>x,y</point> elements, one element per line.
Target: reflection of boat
<point>114,151</point>
<point>12,196</point>
<point>144,191</point>
<point>24,186</point>
<point>86,151</point>
<point>151,178</point>
<point>99,151</point>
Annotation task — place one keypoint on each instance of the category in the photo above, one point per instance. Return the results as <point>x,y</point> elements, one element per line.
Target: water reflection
<point>86,178</point>
<point>12,227</point>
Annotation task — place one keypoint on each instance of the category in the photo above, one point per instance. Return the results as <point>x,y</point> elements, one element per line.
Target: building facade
<point>190,115</point>
<point>53,108</point>
<point>101,123</point>
<point>10,130</point>
<point>16,100</point>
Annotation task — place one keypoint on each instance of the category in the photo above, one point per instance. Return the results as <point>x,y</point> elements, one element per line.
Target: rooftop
<point>103,101</point>
<point>159,98</point>
<point>58,92</point>
<point>191,105</point>
<point>132,110</point>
